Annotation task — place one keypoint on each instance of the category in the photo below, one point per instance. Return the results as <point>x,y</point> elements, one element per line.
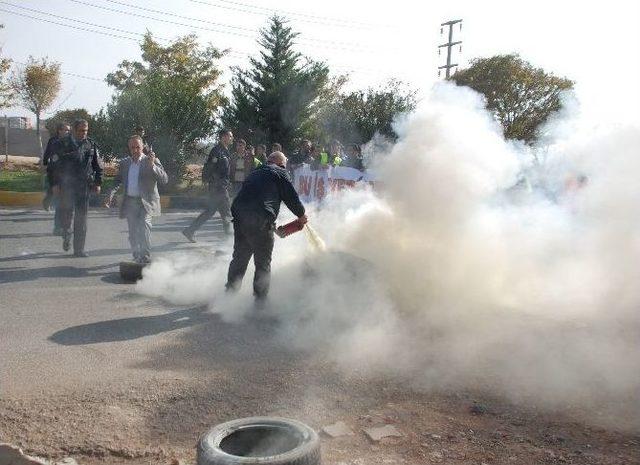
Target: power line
<point>323,20</point>
<point>69,19</point>
<point>166,13</point>
<point>68,25</point>
<point>329,43</point>
<point>128,13</point>
<point>69,74</point>
<point>238,54</point>
<point>85,22</point>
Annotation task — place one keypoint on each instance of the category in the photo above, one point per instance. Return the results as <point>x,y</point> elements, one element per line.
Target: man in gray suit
<point>140,175</point>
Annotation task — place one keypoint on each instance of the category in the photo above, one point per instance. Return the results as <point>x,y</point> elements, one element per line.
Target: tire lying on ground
<point>259,440</point>
<point>131,272</point>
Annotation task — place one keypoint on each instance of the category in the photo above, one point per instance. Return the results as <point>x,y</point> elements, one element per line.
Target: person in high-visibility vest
<point>256,162</point>
<point>261,153</point>
<point>251,162</point>
<point>324,159</point>
<point>336,153</point>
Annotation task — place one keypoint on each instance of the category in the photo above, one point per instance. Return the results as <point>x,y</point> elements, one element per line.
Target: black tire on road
<point>259,440</point>
<point>131,272</point>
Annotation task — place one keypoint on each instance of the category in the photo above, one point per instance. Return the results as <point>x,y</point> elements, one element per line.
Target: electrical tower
<point>450,43</point>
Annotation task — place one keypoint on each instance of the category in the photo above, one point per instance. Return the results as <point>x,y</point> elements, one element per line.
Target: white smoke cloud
<point>450,277</point>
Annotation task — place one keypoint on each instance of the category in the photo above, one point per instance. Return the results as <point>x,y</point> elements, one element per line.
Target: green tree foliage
<point>6,90</point>
<point>37,86</point>
<point>521,96</point>
<point>274,100</point>
<point>69,116</point>
<point>174,92</point>
<point>358,115</point>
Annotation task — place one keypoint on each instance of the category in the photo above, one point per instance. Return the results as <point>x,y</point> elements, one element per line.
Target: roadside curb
<point>34,199</point>
<point>21,199</point>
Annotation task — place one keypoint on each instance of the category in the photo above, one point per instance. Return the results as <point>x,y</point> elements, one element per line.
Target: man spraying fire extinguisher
<point>254,211</point>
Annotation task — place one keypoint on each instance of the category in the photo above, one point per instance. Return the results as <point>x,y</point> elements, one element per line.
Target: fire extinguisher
<point>289,228</point>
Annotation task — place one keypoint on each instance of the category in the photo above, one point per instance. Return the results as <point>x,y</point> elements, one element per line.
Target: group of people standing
<point>318,157</point>
<point>259,183</point>
<point>74,170</point>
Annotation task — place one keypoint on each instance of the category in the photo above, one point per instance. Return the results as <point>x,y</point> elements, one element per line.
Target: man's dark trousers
<point>253,236</point>
<point>74,204</point>
<point>52,200</point>
<point>218,201</point>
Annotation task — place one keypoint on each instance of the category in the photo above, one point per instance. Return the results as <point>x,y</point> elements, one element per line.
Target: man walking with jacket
<point>77,171</point>
<point>49,160</point>
<point>140,175</point>
<point>215,175</point>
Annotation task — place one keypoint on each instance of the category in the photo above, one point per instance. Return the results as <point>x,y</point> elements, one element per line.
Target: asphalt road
<point>91,369</point>
<point>49,296</point>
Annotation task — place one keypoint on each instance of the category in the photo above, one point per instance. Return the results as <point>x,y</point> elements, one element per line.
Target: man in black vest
<point>78,171</point>
<point>215,175</point>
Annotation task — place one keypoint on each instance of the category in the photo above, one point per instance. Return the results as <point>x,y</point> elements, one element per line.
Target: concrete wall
<point>23,142</point>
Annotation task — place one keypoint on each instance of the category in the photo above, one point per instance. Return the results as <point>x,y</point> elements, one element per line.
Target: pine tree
<point>274,99</point>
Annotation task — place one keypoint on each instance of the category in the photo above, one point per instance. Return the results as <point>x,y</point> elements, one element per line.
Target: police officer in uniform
<point>255,210</point>
<point>49,159</point>
<point>215,174</point>
<point>77,172</point>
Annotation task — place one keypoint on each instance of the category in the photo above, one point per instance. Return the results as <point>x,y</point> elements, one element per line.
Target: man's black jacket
<point>47,157</point>
<point>262,192</point>
<point>77,162</point>
<point>216,170</point>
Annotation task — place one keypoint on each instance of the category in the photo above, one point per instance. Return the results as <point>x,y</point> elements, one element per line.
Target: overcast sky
<point>597,45</point>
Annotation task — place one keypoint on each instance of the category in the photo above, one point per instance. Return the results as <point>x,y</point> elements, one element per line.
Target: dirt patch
<point>160,421</point>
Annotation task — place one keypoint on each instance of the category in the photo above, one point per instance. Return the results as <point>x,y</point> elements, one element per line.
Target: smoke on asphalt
<point>476,263</point>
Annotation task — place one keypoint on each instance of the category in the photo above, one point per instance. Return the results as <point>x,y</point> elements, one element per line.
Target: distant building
<point>17,122</point>
<point>20,138</point>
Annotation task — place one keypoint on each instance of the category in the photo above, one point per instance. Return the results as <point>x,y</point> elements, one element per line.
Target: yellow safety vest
<point>324,158</point>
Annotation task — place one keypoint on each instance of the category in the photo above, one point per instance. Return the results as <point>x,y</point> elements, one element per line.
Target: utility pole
<point>449,45</point>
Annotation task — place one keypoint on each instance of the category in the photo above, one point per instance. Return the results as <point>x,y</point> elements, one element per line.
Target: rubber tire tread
<point>311,457</point>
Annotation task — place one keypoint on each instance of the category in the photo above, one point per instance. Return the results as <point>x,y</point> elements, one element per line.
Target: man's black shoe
<point>144,260</point>
<point>188,234</point>
<point>81,254</point>
<point>46,203</point>
<point>66,241</point>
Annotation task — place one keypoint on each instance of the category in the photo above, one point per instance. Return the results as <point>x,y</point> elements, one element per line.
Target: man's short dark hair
<point>276,147</point>
<point>261,146</point>
<point>223,132</point>
<point>61,125</point>
<point>80,122</point>
<point>241,142</point>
